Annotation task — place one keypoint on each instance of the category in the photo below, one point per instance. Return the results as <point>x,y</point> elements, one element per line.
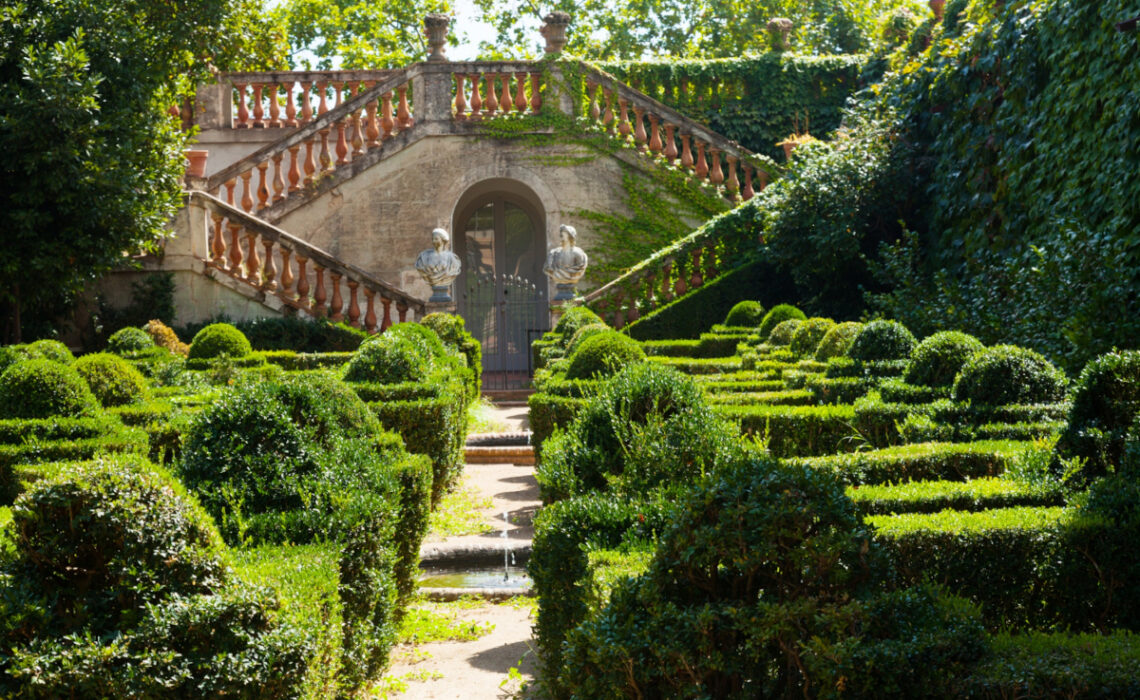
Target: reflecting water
<point>479,577</point>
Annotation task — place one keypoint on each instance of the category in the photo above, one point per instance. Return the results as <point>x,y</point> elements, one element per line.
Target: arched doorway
<point>499,233</point>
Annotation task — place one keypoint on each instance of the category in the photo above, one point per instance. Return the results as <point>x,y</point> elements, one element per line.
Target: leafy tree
<point>92,160</point>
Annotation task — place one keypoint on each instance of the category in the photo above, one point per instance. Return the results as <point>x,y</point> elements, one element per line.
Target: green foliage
<point>837,340</point>
<point>129,340</point>
<point>938,358</point>
<point>745,313</point>
<point>922,462</point>
<point>777,315</point>
<point>43,389</point>
<point>934,496</point>
<point>219,339</point>
<point>796,431</point>
<point>452,330</point>
<point>882,340</point>
<point>113,380</point>
<point>421,337</point>
<point>52,350</point>
<point>571,320</point>
<point>1007,374</point>
<point>809,335</point>
<point>390,358</point>
<point>1106,403</point>
<point>548,412</point>
<point>604,354</point>
<point>580,336</point>
<point>784,332</point>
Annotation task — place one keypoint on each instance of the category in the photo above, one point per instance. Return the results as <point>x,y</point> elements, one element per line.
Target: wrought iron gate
<point>506,313</point>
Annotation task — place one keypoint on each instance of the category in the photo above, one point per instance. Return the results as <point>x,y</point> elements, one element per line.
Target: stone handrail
<point>282,269</point>
<point>361,124</point>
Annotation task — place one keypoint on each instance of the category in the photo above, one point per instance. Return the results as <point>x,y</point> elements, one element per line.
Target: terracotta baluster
<point>302,281</point>
<point>670,144</point>
<point>325,158</point>
<point>617,320</point>
<point>763,177</point>
<point>608,114</point>
<point>535,93</point>
<point>353,304</point>
<point>639,128</point>
<point>336,304</point>
<point>218,243</point>
<point>748,193</point>
<point>319,294</point>
<point>666,288</point>
<point>623,126</point>
<point>684,96</point>
<point>286,275</point>
<point>258,108</point>
<point>278,178</point>
<point>290,105</point>
<point>387,123</point>
<point>274,107</point>
<point>294,168</point>
<point>246,195</point>
<point>269,273</point>
<point>520,93</point>
<point>679,286</point>
<point>595,109</point>
<point>633,313</point>
<point>655,145</point>
<point>650,299</point>
<point>732,184</point>
<point>460,98</point>
<point>322,94</point>
<point>341,142</point>
<point>357,135</point>
<point>387,322</point>
<point>230,184</point>
<point>702,168</point>
<point>338,88</point>
<point>696,280</point>
<point>310,162</point>
<point>710,261</point>
<point>235,249</point>
<point>306,106</point>
<point>403,116</point>
<point>492,103</point>
<point>262,185</point>
<point>252,259</point>
<point>373,131</point>
<point>370,312</point>
<point>243,111</point>
<point>402,310</point>
<point>476,98</point>
<point>686,152</point>
<point>716,175</point>
<point>505,98</point>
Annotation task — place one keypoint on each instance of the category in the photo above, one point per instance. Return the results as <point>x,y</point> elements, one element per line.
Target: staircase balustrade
<point>301,275</point>
<point>287,99</point>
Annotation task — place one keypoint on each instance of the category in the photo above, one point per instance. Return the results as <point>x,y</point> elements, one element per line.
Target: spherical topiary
<point>325,406</point>
<point>939,358</point>
<point>882,340</point>
<point>43,389</point>
<point>572,319</point>
<point>809,334</point>
<point>52,350</point>
<point>219,339</point>
<point>1106,406</point>
<point>783,333</point>
<point>777,315</point>
<point>129,340</point>
<point>421,337</point>
<point>837,340</point>
<point>582,334</point>
<point>745,313</point>
<point>113,380</point>
<point>11,354</point>
<point>603,354</point>
<point>1007,374</point>
<point>389,358</point>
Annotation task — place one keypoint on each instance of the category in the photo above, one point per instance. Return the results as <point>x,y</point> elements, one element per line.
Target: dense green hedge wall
<point>919,462</point>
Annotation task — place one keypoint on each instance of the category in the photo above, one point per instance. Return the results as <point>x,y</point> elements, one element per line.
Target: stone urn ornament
<point>435,28</point>
<point>439,267</point>
<point>566,264</point>
<point>779,31</point>
<point>554,31</point>
<point>937,7</point>
<point>196,166</point>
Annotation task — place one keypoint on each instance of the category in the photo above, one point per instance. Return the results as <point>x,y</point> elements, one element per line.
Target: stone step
<point>519,455</point>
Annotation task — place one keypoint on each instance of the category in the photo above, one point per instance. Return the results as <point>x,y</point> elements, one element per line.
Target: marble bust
<point>438,266</point>
<point>566,264</point>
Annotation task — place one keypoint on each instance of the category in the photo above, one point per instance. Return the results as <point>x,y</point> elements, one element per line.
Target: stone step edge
<point>522,455</point>
<point>433,554</point>
<point>446,595</point>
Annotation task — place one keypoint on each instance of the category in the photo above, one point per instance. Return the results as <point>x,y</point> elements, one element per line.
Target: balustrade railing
<point>485,89</point>
<point>285,99</point>
<point>301,275</point>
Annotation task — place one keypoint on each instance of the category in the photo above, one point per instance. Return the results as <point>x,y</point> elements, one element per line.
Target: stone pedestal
<point>440,307</point>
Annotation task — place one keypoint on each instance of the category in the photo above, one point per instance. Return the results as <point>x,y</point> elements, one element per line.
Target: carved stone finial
<point>435,27</point>
<point>779,31</point>
<point>554,31</point>
<point>439,266</point>
<point>566,264</point>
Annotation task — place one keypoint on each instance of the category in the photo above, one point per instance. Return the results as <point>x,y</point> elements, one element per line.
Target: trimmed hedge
<point>838,389</point>
<point>777,315</point>
<point>783,334</point>
<point>933,496</point>
<point>797,431</point>
<point>670,348</point>
<point>299,362</point>
<point>934,461</point>
<point>547,412</point>
<point>44,389</point>
<point>113,380</point>
<point>837,340</point>
<point>1007,374</point>
<point>571,320</point>
<point>745,313</point>
<point>896,390</point>
<point>808,336</point>
<point>882,340</point>
<point>219,339</point>
<point>129,341</point>
<point>936,361</point>
<point>604,354</point>
<point>389,358</point>
<point>452,330</point>
<point>697,365</point>
<point>1105,406</point>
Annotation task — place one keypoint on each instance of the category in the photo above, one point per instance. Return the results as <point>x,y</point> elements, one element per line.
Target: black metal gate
<point>506,313</point>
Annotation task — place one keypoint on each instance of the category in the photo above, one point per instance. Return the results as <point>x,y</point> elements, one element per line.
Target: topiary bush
<point>882,340</point>
<point>219,339</point>
<point>52,350</point>
<point>419,336</point>
<point>777,315</point>
<point>782,334</point>
<point>745,313</point>
<point>604,354</point>
<point>809,334</point>
<point>1007,374</point>
<point>113,380</point>
<point>1106,404</point>
<point>165,337</point>
<point>129,340</point>
<point>389,358</point>
<point>572,319</point>
<point>938,358</point>
<point>587,331</point>
<point>44,389</point>
<point>452,330</point>
<point>837,340</point>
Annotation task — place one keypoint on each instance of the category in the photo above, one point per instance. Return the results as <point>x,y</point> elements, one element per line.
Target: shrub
<point>1105,405</point>
<point>809,334</point>
<point>571,320</point>
<point>165,337</point>
<point>882,340</point>
<point>11,354</point>
<point>129,340</point>
<point>939,358</point>
<point>113,380</point>
<point>796,431</point>
<point>837,340</point>
<point>582,334</point>
<point>422,337</point>
<point>390,358</point>
<point>1007,374</point>
<point>777,315</point>
<point>604,354</point>
<point>219,339</point>
<point>43,389</point>
<point>452,330</point>
<point>782,334</point>
<point>52,350</point>
<point>745,313</point>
